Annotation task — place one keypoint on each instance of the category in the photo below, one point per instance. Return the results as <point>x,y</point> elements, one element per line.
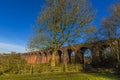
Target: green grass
<point>61,76</point>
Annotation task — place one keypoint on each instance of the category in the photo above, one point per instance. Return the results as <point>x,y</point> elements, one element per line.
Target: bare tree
<point>112,23</point>
<point>62,22</point>
<point>111,27</point>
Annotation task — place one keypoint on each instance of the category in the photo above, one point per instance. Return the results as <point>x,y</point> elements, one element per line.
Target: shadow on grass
<point>62,76</point>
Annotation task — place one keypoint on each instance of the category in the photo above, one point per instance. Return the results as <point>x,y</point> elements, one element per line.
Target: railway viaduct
<point>73,53</point>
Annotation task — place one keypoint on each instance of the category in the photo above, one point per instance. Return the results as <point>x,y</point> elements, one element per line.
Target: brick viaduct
<point>71,54</point>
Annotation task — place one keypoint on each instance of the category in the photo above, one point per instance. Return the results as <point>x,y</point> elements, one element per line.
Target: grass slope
<point>61,76</point>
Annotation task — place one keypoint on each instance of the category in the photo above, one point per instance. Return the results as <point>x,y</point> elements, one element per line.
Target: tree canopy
<point>112,23</point>
<point>62,22</point>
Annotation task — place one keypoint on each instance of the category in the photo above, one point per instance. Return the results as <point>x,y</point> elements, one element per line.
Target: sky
<point>18,16</point>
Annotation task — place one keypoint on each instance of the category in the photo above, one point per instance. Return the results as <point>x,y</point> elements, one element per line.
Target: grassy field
<point>61,76</point>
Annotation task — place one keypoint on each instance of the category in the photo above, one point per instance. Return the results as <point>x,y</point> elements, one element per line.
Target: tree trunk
<point>118,54</point>
<point>118,51</point>
<point>53,58</point>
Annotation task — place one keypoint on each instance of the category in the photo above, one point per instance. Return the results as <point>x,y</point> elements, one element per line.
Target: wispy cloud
<point>6,48</point>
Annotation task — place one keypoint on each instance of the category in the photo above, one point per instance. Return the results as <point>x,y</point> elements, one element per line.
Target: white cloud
<point>6,48</point>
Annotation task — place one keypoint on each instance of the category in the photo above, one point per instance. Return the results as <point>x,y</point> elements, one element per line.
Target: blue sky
<point>18,16</point>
